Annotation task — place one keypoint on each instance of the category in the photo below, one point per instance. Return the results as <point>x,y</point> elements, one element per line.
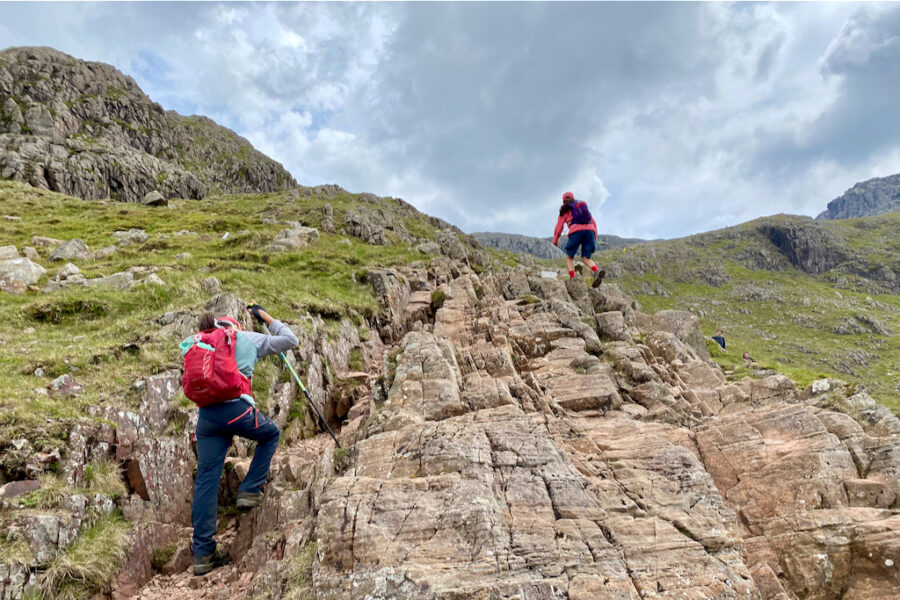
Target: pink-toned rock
<point>65,385</point>
<point>18,488</point>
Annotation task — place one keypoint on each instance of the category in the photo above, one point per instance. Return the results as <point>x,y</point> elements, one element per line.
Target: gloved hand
<point>254,310</point>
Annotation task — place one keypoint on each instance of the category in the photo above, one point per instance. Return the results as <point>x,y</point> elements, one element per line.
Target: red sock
<point>571,274</point>
<point>594,268</point>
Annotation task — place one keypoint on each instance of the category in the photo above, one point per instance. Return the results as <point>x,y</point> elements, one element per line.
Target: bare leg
<point>590,264</point>
<point>570,264</point>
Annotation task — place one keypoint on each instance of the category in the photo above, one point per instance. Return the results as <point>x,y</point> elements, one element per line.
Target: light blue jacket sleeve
<point>281,340</point>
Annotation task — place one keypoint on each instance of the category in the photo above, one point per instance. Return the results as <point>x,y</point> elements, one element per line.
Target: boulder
<point>293,238</point>
<point>429,248</point>
<point>450,245</point>
<point>31,253</point>
<point>684,326</point>
<point>103,253</point>
<point>122,281</point>
<point>20,272</point>
<point>65,385</point>
<point>71,250</point>
<point>8,253</point>
<point>19,488</point>
<point>211,285</point>
<point>154,198</point>
<point>132,236</point>
<point>365,225</point>
<point>40,241</point>
<point>611,326</point>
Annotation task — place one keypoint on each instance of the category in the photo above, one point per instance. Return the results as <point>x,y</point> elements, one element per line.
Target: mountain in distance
<point>804,297</point>
<point>543,247</point>
<point>875,196</point>
<point>86,129</point>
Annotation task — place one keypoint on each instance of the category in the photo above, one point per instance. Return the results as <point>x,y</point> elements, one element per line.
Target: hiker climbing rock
<point>582,233</point>
<point>218,370</point>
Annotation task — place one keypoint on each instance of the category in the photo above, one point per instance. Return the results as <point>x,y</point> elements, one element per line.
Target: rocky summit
<point>875,196</point>
<point>87,130</point>
<point>504,435</point>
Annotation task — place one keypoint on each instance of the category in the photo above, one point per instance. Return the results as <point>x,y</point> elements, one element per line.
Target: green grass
<point>107,338</point>
<point>785,319</point>
<point>88,566</point>
<point>100,477</point>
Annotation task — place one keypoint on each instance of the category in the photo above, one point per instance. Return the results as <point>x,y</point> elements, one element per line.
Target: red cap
<point>569,196</point>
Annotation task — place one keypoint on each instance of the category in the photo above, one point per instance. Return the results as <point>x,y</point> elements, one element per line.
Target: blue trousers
<point>216,426</point>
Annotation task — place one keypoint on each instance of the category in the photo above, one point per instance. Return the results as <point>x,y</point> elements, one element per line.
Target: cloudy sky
<point>669,119</point>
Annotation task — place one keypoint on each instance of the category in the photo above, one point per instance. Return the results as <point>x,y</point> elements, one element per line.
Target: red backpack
<point>211,373</point>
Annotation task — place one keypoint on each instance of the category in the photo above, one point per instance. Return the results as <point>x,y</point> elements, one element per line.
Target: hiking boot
<point>248,500</point>
<point>598,277</point>
<point>205,564</point>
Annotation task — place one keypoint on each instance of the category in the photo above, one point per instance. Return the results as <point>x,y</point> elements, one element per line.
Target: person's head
<point>718,332</point>
<point>208,321</point>
<point>746,355</point>
<point>568,200</point>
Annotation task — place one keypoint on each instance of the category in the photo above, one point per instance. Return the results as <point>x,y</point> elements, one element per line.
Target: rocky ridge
<point>519,244</point>
<point>524,437</point>
<point>543,247</point>
<point>87,130</point>
<point>875,196</point>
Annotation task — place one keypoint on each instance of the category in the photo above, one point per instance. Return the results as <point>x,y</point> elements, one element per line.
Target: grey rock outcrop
<point>293,238</point>
<point>87,130</point>
<point>154,198</point>
<point>875,196</point>
<point>519,244</point>
<point>806,244</point>
<point>16,274</point>
<point>71,250</point>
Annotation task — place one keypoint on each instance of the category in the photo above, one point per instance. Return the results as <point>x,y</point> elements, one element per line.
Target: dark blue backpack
<point>580,213</point>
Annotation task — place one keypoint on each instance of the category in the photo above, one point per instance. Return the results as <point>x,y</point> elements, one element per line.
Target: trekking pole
<point>306,393</point>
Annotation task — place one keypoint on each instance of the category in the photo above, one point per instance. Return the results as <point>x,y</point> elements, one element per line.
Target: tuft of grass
<point>356,362</point>
<point>52,491</point>
<point>104,477</point>
<point>437,299</point>
<point>299,574</point>
<point>88,566</point>
<point>15,552</point>
<point>162,555</point>
<point>341,459</point>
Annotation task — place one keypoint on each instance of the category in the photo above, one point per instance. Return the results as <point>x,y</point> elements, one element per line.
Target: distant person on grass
<point>582,234</point>
<point>719,338</point>
<point>218,368</point>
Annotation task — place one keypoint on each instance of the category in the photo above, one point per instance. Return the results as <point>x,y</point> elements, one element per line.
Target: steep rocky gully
<point>526,438</point>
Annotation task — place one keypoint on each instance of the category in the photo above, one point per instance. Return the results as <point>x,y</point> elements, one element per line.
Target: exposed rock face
<point>525,438</point>
<point>806,244</point>
<point>866,199</point>
<point>85,129</point>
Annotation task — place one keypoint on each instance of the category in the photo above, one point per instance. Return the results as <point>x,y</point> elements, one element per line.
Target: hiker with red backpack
<point>218,371</point>
<point>582,233</point>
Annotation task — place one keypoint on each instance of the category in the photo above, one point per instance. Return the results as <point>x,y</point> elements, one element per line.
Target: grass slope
<point>87,331</point>
<point>737,280</point>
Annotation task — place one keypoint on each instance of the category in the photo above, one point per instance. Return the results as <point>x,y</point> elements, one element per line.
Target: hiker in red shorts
<point>582,233</point>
